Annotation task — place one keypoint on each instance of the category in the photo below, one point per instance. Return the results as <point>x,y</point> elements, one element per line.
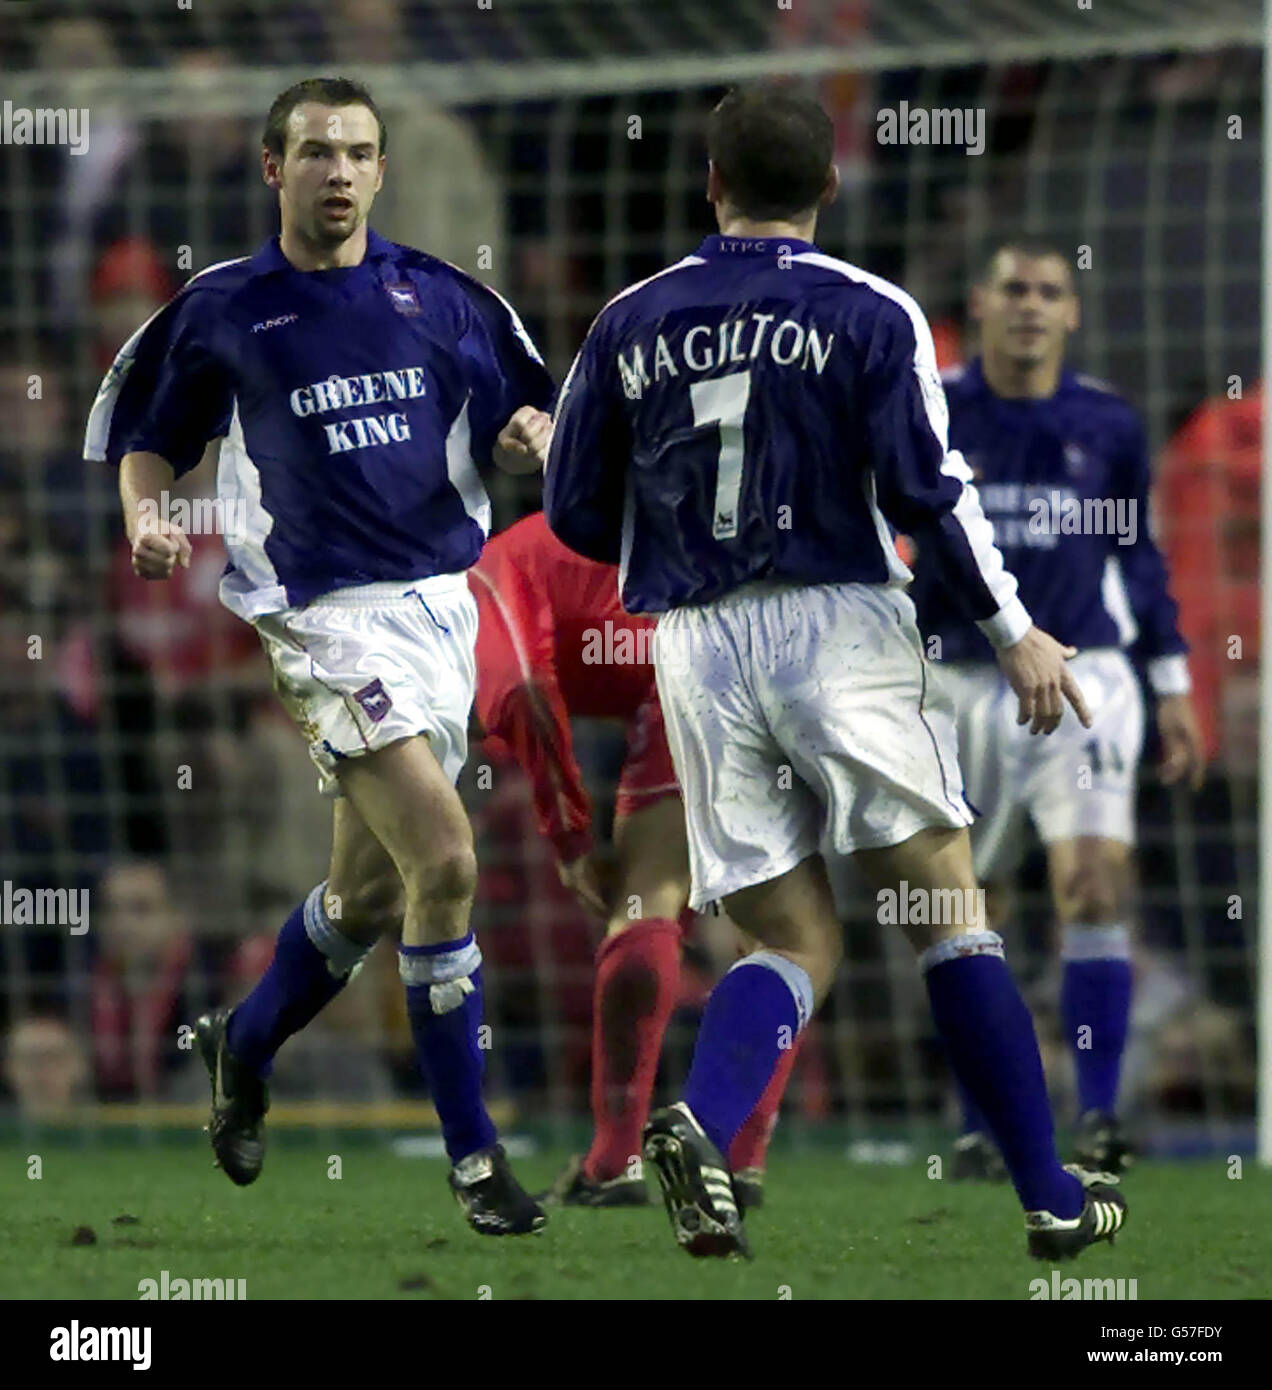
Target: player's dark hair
<point>1031,247</point>
<point>328,91</point>
<point>773,147</point>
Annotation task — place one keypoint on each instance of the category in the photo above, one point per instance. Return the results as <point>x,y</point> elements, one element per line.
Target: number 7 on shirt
<point>722,401</point>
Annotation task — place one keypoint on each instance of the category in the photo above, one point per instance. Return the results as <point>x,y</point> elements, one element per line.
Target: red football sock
<point>637,973</point>
<point>750,1144</point>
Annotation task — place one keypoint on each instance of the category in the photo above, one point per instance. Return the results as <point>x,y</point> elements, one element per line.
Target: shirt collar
<point>976,378</point>
<point>718,245</point>
<point>270,257</point>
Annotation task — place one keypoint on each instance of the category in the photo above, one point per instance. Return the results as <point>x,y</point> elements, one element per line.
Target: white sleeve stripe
<point>622,294</point>
<point>1117,602</point>
<point>97,431</point>
<point>565,385</point>
<point>1000,584</point>
<point>518,328</point>
<point>682,264</point>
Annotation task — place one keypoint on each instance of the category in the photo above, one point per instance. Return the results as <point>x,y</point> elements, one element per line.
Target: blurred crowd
<point>142,754</point>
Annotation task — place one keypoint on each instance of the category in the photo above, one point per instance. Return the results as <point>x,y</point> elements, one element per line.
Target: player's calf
<point>987,1030</point>
<point>1091,886</point>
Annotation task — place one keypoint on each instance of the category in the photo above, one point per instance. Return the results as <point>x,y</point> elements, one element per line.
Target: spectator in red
<point>1208,492</point>
<point>130,282</point>
<point>139,982</point>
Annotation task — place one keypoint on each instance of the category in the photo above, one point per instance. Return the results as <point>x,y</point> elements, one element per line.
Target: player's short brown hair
<point>1033,248</point>
<point>772,146</point>
<point>328,91</point>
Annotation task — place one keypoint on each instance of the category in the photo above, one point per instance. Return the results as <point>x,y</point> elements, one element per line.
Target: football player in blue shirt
<point>356,385</point>
<point>1061,465</point>
<point>738,433</point>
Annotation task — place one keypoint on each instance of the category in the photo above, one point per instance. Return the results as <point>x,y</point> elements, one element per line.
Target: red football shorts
<point>648,773</point>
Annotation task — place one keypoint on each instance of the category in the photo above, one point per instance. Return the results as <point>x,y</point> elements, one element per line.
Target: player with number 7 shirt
<point>739,433</point>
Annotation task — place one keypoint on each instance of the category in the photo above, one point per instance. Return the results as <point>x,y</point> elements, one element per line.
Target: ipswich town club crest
<point>374,700</point>
<point>404,298</point>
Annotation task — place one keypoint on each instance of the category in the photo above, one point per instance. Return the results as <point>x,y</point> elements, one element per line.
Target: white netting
<point>555,148</point>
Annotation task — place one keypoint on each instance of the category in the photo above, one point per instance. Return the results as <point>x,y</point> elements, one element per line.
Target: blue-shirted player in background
<point>1061,465</point>
<point>356,385</point>
<point>738,432</point>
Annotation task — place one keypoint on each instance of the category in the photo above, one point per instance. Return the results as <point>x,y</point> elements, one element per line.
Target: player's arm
<point>584,481</point>
<point>158,545</point>
<point>511,388</point>
<point>520,702</point>
<point>924,490</point>
<point>163,399</point>
<point>1157,617</point>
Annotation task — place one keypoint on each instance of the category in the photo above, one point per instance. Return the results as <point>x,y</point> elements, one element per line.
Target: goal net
<point>554,147</point>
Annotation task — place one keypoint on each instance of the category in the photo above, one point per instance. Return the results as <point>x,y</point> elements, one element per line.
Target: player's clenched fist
<point>158,548</point>
<point>1035,669</point>
<point>522,446</point>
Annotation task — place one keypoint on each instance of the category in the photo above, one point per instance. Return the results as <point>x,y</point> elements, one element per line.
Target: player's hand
<point>158,548</point>
<point>1035,669</point>
<point>522,446</point>
<point>1183,754</point>
<point>583,879</point>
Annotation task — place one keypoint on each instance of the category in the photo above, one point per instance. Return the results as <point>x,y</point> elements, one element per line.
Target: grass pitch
<point>387,1228</point>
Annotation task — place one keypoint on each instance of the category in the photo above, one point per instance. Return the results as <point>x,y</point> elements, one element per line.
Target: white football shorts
<point>1073,782</point>
<point>363,667</point>
<point>802,718</point>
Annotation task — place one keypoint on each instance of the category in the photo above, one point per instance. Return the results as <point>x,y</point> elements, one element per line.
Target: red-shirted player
<point>1208,487</point>
<point>553,642</point>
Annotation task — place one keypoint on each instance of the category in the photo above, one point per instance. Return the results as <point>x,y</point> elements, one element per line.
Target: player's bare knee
<point>447,876</point>
<point>369,908</point>
<point>1093,892</point>
<point>816,947</point>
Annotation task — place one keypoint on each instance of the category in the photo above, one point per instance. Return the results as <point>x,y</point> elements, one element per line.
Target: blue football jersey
<point>1064,482</point>
<point>355,406</point>
<point>761,410</point>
